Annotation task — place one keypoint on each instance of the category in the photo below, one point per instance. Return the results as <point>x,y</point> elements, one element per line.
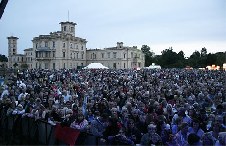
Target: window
<point>46,65</point>
<point>53,44</point>
<point>65,28</point>
<point>114,54</point>
<point>131,54</point>
<point>94,56</point>
<point>36,45</point>
<point>81,64</point>
<point>71,46</point>
<point>102,55</point>
<point>82,47</point>
<point>54,66</point>
<point>82,55</point>
<point>71,55</point>
<point>124,55</point>
<point>124,65</point>
<point>114,65</point>
<point>46,44</point>
<point>53,54</point>
<point>63,45</point>
<point>72,29</point>
<point>77,47</point>
<point>109,54</point>
<point>77,55</point>
<point>64,65</point>
<point>64,54</point>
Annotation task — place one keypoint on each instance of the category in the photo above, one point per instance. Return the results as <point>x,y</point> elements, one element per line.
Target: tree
<point>15,65</point>
<point>148,54</point>
<point>220,58</point>
<point>211,59</point>
<point>169,58</point>
<point>24,66</point>
<point>3,58</point>
<point>194,59</point>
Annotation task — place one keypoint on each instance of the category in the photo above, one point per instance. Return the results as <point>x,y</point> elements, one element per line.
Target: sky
<point>187,25</point>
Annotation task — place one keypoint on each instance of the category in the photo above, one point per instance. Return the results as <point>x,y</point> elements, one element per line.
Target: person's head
<point>193,139</point>
<point>80,111</point>
<point>135,112</point>
<point>152,128</point>
<point>131,123</point>
<point>216,126</point>
<point>80,117</point>
<point>195,123</point>
<point>207,139</point>
<point>124,111</point>
<point>222,138</point>
<point>184,127</point>
<point>219,119</point>
<point>114,111</point>
<point>122,131</point>
<point>181,112</point>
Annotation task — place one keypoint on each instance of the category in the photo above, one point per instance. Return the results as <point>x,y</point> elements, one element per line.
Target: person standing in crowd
<point>195,128</point>
<point>182,135</point>
<point>151,137</point>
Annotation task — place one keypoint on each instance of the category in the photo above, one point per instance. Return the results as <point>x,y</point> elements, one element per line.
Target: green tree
<point>169,58</point>
<point>24,66</point>
<point>15,65</point>
<point>194,59</point>
<point>3,58</point>
<point>149,55</point>
<point>220,58</point>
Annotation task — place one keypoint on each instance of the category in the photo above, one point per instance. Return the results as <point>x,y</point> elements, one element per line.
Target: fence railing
<point>23,130</point>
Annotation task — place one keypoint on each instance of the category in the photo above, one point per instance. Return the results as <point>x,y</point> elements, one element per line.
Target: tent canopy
<point>95,66</point>
<point>153,66</point>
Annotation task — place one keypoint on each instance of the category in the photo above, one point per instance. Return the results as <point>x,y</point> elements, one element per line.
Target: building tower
<point>12,49</point>
<point>68,27</point>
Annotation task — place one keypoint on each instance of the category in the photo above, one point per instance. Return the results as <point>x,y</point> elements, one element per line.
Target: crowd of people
<point>174,107</point>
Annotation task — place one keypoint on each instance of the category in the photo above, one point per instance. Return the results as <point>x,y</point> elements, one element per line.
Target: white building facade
<point>119,57</point>
<point>62,49</point>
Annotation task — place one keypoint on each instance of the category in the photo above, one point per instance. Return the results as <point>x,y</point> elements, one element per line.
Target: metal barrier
<point>29,131</point>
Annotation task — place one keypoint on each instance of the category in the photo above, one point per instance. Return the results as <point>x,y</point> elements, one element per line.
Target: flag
<point>66,134</point>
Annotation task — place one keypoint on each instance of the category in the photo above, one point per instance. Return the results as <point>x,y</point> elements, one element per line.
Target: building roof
<point>67,22</point>
<point>29,49</point>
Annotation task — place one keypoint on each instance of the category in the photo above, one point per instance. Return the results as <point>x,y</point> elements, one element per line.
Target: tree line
<point>171,59</point>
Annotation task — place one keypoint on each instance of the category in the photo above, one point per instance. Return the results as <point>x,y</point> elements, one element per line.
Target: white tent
<point>153,66</point>
<point>95,66</point>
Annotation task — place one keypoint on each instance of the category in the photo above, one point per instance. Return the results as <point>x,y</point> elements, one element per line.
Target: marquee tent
<point>95,66</point>
<point>153,66</point>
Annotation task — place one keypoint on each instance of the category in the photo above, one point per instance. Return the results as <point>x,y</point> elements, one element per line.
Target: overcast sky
<point>186,25</point>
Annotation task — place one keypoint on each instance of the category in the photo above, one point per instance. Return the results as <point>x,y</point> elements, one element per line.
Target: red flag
<point>66,134</point>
